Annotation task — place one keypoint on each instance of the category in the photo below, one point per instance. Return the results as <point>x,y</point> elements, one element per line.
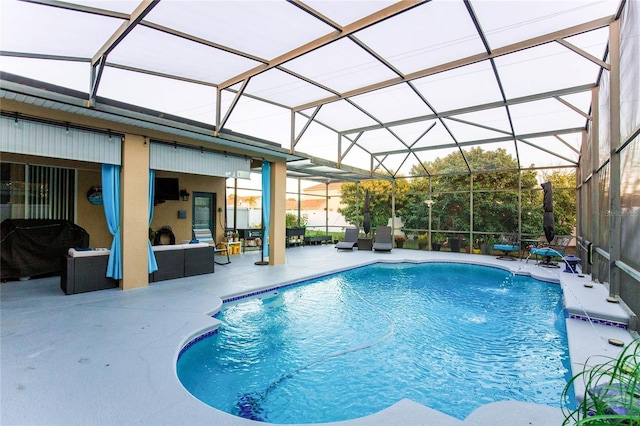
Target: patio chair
<point>508,244</point>
<point>350,239</point>
<point>204,236</point>
<point>556,248</point>
<point>384,239</point>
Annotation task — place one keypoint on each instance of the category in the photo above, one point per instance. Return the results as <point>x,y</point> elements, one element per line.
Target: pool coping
<point>581,306</point>
<point>404,406</point>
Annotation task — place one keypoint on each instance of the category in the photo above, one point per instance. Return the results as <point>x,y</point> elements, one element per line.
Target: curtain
<point>111,203</point>
<point>266,203</point>
<point>153,265</point>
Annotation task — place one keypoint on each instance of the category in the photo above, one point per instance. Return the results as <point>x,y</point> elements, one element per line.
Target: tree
<point>251,201</point>
<point>564,199</point>
<point>379,201</point>
<point>496,181</point>
<point>495,196</point>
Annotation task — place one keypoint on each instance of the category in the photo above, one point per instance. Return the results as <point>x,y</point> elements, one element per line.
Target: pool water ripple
<point>352,344</point>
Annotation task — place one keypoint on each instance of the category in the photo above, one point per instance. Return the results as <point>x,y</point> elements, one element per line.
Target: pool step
<point>589,301</point>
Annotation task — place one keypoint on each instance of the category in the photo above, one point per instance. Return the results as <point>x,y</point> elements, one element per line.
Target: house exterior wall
<point>88,216</point>
<point>335,197</point>
<point>91,217</point>
<point>134,185</point>
<point>167,212</point>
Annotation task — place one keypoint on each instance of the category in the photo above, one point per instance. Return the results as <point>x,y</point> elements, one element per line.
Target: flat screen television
<point>166,189</point>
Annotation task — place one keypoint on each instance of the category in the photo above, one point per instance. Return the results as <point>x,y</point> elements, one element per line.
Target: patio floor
<point>108,357</point>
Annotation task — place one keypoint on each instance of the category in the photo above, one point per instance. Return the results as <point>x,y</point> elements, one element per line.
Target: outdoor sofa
<point>85,270</point>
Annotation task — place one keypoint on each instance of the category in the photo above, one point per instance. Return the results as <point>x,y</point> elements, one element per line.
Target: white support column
<point>393,209</point>
<point>594,207</point>
<point>615,219</point>
<point>326,209</point>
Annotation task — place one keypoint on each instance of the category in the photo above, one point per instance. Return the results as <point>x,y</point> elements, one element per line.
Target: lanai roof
<point>343,87</point>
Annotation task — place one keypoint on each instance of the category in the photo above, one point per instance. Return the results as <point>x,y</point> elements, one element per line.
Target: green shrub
<point>612,395</point>
<point>291,221</point>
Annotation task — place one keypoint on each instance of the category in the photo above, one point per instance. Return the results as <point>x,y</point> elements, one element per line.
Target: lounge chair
<point>350,239</point>
<point>204,236</point>
<point>507,245</point>
<point>384,240</point>
<point>556,248</point>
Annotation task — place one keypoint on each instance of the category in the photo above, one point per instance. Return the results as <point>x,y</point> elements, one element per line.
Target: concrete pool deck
<point>108,357</point>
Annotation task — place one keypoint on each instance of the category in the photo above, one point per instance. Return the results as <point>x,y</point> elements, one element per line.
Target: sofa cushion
<point>194,245</point>
<point>167,247</point>
<point>88,253</point>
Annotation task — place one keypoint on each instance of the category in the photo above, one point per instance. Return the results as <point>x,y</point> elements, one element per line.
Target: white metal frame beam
<point>533,42</point>
<point>100,57</point>
<point>475,108</point>
<point>484,141</point>
<point>340,32</point>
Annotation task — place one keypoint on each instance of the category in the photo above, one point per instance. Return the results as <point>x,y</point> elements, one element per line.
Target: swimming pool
<point>450,336</point>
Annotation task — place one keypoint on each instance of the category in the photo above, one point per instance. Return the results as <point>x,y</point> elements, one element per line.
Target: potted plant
<point>423,241</point>
<point>436,242</point>
<point>455,242</point>
<point>476,246</point>
<point>400,239</point>
<point>491,240</point>
<point>485,245</point>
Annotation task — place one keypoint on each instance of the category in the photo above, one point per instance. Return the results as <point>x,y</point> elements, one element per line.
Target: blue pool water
<point>450,336</point>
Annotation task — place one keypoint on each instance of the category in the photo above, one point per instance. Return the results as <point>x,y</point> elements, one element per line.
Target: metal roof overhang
<point>299,166</point>
<point>46,95</point>
<point>319,170</point>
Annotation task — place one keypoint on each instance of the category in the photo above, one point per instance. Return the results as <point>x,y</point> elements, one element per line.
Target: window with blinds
<point>36,192</point>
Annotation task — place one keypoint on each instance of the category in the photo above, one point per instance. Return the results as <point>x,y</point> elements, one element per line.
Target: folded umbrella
<point>548,220</point>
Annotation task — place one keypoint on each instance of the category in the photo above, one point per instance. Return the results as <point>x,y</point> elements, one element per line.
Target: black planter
<point>399,244</point>
<point>454,244</point>
<point>435,246</point>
